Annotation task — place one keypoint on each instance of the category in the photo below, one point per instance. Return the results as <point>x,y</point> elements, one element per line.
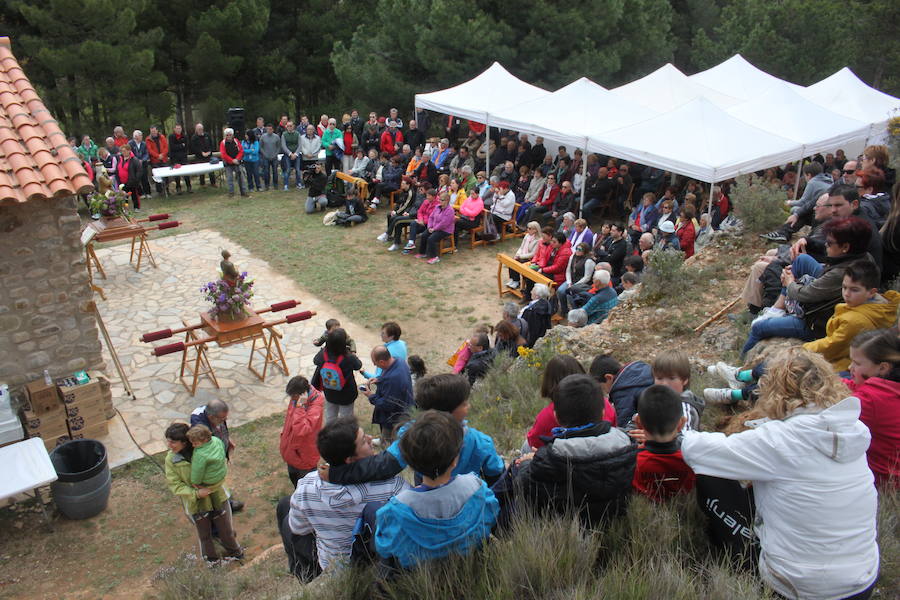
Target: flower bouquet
<point>114,203</point>
<point>229,301</point>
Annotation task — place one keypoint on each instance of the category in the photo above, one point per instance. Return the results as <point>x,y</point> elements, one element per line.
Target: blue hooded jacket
<point>417,525</point>
<point>633,379</point>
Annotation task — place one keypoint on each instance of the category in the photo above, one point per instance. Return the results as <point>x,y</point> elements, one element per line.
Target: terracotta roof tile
<point>36,162</point>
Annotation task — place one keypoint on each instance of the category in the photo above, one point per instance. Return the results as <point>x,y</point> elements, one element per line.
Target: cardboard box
<point>88,411</point>
<point>91,433</point>
<point>48,423</point>
<point>52,442</point>
<point>41,398</point>
<point>81,393</point>
<point>85,420</point>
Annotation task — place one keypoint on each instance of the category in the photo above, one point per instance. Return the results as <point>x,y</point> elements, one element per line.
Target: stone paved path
<point>159,298</point>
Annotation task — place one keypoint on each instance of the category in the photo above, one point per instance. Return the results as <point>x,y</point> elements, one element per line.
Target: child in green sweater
<point>208,468</point>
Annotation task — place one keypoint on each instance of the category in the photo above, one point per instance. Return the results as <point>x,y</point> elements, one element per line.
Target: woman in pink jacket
<point>441,223</point>
<point>875,369</point>
<point>301,427</point>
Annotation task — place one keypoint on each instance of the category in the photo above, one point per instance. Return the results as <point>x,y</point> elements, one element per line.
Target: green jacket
<point>208,463</point>
<point>178,476</point>
<point>87,153</point>
<point>328,138</point>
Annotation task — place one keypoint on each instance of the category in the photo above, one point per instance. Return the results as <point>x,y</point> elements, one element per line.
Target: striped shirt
<point>331,511</point>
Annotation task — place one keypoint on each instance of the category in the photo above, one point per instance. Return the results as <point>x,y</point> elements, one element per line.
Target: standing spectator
<point>269,147</point>
<point>196,501</point>
<point>111,146</point>
<point>202,148</point>
<point>119,137</point>
<point>142,156</point>
<point>232,153</point>
<point>330,138</point>
<point>158,148</point>
<point>310,145</point>
<point>87,150</point>
<point>178,155</point>
<point>351,144</point>
<point>391,139</point>
<point>322,126</point>
<point>393,395</point>
<point>302,424</point>
<point>110,162</point>
<point>128,173</point>
<point>371,137</point>
<point>251,160</point>
<point>423,121</point>
<point>282,125</point>
<point>414,136</point>
<point>290,147</point>
<point>215,416</point>
<point>335,365</point>
<point>260,128</point>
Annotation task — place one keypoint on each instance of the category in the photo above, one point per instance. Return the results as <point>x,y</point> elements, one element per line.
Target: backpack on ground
<point>331,374</point>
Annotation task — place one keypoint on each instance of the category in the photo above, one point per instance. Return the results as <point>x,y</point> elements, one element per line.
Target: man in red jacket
<point>158,147</point>
<point>232,155</point>
<point>301,426</point>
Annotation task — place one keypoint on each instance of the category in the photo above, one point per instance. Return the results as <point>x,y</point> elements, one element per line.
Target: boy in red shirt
<point>661,472</point>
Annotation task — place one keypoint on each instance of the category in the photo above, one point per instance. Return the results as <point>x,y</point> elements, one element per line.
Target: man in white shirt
<point>317,520</point>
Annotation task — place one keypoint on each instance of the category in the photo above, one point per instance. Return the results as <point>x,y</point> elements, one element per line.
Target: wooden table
<point>228,333</point>
<point>113,229</point>
<point>361,183</point>
<point>504,260</point>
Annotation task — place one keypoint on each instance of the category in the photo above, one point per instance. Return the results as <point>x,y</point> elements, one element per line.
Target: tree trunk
<point>96,122</point>
<point>74,109</point>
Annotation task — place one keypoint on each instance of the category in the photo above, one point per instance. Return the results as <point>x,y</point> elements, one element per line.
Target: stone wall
<point>45,316</point>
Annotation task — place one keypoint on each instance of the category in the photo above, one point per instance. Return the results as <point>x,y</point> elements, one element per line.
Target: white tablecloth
<point>24,466</point>
<point>161,173</point>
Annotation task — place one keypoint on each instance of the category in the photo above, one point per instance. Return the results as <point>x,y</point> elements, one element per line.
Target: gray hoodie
<point>269,145</point>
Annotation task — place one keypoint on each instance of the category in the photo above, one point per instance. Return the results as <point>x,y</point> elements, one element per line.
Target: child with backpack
<point>335,365</point>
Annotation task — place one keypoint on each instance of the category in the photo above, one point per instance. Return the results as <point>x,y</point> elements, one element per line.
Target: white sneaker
<point>393,248</point>
<point>375,202</point>
<point>383,237</point>
<point>513,285</point>
<point>728,373</point>
<point>409,245</point>
<point>768,313</point>
<point>718,396</point>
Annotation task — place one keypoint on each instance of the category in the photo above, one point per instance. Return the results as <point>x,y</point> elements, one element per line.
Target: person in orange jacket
<point>158,148</point>
<point>301,427</point>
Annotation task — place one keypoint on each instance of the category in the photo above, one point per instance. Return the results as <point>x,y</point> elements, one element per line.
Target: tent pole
<point>583,178</point>
<point>799,173</point>
<point>487,152</point>
<point>712,189</point>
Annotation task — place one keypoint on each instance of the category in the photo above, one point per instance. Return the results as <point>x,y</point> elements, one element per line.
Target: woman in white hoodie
<point>816,502</point>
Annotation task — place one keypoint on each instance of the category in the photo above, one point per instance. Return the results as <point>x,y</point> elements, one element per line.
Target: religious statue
<point>229,271</point>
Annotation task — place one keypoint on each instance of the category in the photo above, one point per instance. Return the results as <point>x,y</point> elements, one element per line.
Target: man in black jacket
<point>481,359</point>
<point>202,149</point>
<point>587,467</point>
<point>178,155</point>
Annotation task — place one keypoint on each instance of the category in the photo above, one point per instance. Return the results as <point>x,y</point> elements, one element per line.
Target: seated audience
<point>508,340</point>
<point>481,359</point>
<point>446,513</point>
<point>579,274</point>
<point>577,317</point>
<point>528,249</point>
<point>660,471</point>
<point>602,297</point>
<point>806,458</point>
<point>537,314</point>
<point>441,223</point>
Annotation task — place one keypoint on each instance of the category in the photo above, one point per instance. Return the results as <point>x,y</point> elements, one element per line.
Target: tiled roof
<point>36,162</point>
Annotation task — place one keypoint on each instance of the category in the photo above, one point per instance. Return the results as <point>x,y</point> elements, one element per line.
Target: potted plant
<point>229,300</point>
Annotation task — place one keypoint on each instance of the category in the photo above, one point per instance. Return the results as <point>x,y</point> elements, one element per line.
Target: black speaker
<point>235,118</point>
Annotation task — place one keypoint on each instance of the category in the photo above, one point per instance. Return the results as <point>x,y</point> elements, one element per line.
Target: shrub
<point>665,277</point>
<point>760,205</point>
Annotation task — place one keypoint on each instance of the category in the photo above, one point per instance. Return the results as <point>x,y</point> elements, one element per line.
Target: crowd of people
<point>821,432</point>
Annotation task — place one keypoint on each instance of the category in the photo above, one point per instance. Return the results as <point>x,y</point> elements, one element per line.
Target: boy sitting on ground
<point>588,466</point>
<point>672,368</point>
<point>317,521</point>
<point>208,468</point>
<point>445,392</point>
<point>446,513</point>
<point>661,472</point>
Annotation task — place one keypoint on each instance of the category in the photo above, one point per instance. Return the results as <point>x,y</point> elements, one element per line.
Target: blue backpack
<point>331,374</point>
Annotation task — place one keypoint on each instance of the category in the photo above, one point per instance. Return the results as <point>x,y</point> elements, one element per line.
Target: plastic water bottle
<point>47,379</point>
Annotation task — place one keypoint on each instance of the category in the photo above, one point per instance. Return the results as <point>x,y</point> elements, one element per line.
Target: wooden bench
<point>447,245</point>
<point>507,229</point>
<point>504,260</point>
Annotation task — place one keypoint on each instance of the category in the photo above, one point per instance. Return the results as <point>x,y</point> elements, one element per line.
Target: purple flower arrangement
<point>110,204</point>
<point>228,300</point>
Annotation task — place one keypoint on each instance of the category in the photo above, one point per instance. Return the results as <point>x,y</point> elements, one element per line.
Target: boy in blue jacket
<point>446,513</point>
<point>445,392</point>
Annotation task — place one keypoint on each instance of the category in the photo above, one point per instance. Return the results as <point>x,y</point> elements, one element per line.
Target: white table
<point>26,466</point>
<point>161,173</point>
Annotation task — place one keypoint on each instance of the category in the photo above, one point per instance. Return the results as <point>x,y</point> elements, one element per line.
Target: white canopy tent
<point>784,112</point>
<point>738,78</point>
<point>668,88</point>
<point>844,93</point>
<point>699,140</point>
<point>479,98</point>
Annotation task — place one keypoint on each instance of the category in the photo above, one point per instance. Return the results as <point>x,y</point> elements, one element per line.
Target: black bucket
<point>82,489</point>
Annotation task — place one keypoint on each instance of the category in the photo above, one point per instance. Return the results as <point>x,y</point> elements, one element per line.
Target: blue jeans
<point>252,169</point>
<point>269,167</point>
<point>287,165</point>
<point>561,296</point>
<point>805,264</point>
<point>789,326</point>
<point>232,171</point>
